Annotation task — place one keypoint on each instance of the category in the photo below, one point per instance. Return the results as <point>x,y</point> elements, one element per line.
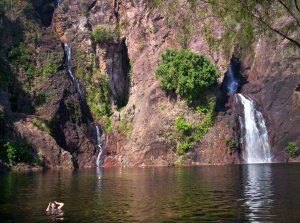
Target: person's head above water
<point>54,205</point>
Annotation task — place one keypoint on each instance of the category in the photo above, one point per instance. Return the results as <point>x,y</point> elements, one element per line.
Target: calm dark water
<point>261,193</point>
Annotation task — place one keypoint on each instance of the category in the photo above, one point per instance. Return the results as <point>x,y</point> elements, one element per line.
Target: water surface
<point>261,193</point>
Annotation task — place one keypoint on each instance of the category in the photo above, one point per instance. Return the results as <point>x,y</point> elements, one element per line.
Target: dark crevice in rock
<point>116,10</point>
<point>118,68</point>
<point>298,88</point>
<point>224,103</point>
<point>45,9</point>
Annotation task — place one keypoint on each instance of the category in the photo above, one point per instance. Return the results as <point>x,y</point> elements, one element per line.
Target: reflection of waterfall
<point>69,64</point>
<point>99,160</point>
<point>258,193</point>
<point>100,173</point>
<point>233,83</point>
<point>254,133</point>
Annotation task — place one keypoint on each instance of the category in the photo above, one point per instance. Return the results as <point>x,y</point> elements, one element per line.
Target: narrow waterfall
<point>69,64</point>
<point>85,109</point>
<point>233,83</point>
<point>99,143</point>
<point>254,133</point>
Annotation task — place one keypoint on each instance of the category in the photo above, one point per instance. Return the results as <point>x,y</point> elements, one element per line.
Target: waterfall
<point>233,83</point>
<point>99,143</point>
<point>254,134</point>
<point>69,64</point>
<point>76,83</point>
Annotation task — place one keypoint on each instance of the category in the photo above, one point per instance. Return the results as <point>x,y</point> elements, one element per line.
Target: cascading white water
<point>254,133</point>
<point>99,143</point>
<point>232,81</point>
<point>69,63</point>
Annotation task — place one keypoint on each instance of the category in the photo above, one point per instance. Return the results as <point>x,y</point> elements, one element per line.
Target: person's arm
<point>48,208</point>
<point>60,204</point>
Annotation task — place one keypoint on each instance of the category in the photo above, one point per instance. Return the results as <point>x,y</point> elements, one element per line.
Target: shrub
<point>183,126</point>
<point>292,149</point>
<point>101,35</point>
<point>184,147</point>
<point>50,68</point>
<point>98,96</point>
<point>17,152</point>
<point>186,73</point>
<point>207,122</point>
<point>41,125</point>
<point>231,143</point>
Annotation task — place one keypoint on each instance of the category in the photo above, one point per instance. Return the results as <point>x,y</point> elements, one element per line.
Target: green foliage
<point>21,58</point>
<point>14,152</point>
<point>183,126</point>
<point>101,35</point>
<point>97,86</point>
<point>41,125</point>
<point>3,6</point>
<point>125,126</point>
<point>98,96</point>
<point>207,122</point>
<point>50,68</point>
<point>41,98</point>
<point>292,149</point>
<point>180,162</point>
<point>186,73</point>
<point>20,55</point>
<point>184,147</point>
<point>107,124</point>
<point>188,133</point>
<point>231,143</point>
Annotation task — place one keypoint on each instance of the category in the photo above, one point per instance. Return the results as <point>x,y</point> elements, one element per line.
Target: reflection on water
<point>198,194</point>
<point>258,192</point>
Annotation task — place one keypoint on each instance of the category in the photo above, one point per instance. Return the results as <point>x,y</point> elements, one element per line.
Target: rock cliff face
<point>143,120</point>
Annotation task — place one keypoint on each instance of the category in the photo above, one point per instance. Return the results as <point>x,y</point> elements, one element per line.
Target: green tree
<point>186,73</point>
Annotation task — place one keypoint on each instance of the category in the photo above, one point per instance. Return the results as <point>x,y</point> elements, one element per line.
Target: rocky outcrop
<point>273,79</point>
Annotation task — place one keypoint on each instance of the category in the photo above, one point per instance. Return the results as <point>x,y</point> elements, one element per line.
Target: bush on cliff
<point>13,152</point>
<point>292,149</point>
<point>186,73</point>
<point>101,35</point>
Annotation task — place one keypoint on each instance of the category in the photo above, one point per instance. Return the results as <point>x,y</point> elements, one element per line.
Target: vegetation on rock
<point>41,125</point>
<point>101,35</point>
<point>186,73</point>
<point>97,87</point>
<point>13,152</point>
<point>231,143</point>
<point>188,133</point>
<point>292,149</point>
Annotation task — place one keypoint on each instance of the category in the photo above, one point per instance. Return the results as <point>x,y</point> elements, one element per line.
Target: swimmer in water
<point>55,211</point>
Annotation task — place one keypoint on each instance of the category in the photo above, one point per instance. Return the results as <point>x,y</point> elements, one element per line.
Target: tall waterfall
<point>76,83</point>
<point>69,63</point>
<point>99,143</point>
<point>254,133</point>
